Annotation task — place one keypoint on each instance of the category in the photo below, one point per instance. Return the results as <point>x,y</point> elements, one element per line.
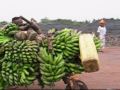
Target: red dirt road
<point>108,77</point>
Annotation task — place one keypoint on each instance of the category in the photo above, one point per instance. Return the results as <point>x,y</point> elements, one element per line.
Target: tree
<point>3,22</point>
<point>45,20</point>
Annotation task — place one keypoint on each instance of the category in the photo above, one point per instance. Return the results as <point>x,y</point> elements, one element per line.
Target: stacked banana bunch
<point>3,38</point>
<point>66,41</point>
<point>21,51</point>
<point>18,63</point>
<point>17,73</point>
<point>51,67</point>
<point>11,29</point>
<point>97,43</point>
<point>19,59</point>
<point>73,68</point>
<point>8,33</point>
<point>2,83</point>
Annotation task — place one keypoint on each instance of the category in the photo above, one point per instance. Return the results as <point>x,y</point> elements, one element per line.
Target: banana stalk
<point>88,53</point>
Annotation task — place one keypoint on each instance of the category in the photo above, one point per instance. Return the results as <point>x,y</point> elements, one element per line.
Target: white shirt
<point>102,31</point>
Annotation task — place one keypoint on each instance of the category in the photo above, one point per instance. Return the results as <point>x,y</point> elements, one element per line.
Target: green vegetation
<point>63,21</point>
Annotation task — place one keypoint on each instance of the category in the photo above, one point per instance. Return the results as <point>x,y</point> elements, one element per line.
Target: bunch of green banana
<point>97,43</point>
<point>73,68</point>
<point>1,32</point>
<point>66,41</point>
<point>3,38</point>
<point>51,67</point>
<point>11,28</point>
<point>3,84</point>
<point>21,51</point>
<point>17,73</point>
<point>2,52</point>
<point>7,32</point>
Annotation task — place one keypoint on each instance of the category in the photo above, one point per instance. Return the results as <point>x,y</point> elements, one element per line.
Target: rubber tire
<point>82,86</point>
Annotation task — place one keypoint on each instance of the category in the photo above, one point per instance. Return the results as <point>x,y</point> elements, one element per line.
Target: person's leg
<point>102,44</point>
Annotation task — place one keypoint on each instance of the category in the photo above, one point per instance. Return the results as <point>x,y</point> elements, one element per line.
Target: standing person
<point>102,33</point>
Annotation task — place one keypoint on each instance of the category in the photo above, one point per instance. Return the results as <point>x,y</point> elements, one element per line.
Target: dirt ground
<point>108,77</point>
